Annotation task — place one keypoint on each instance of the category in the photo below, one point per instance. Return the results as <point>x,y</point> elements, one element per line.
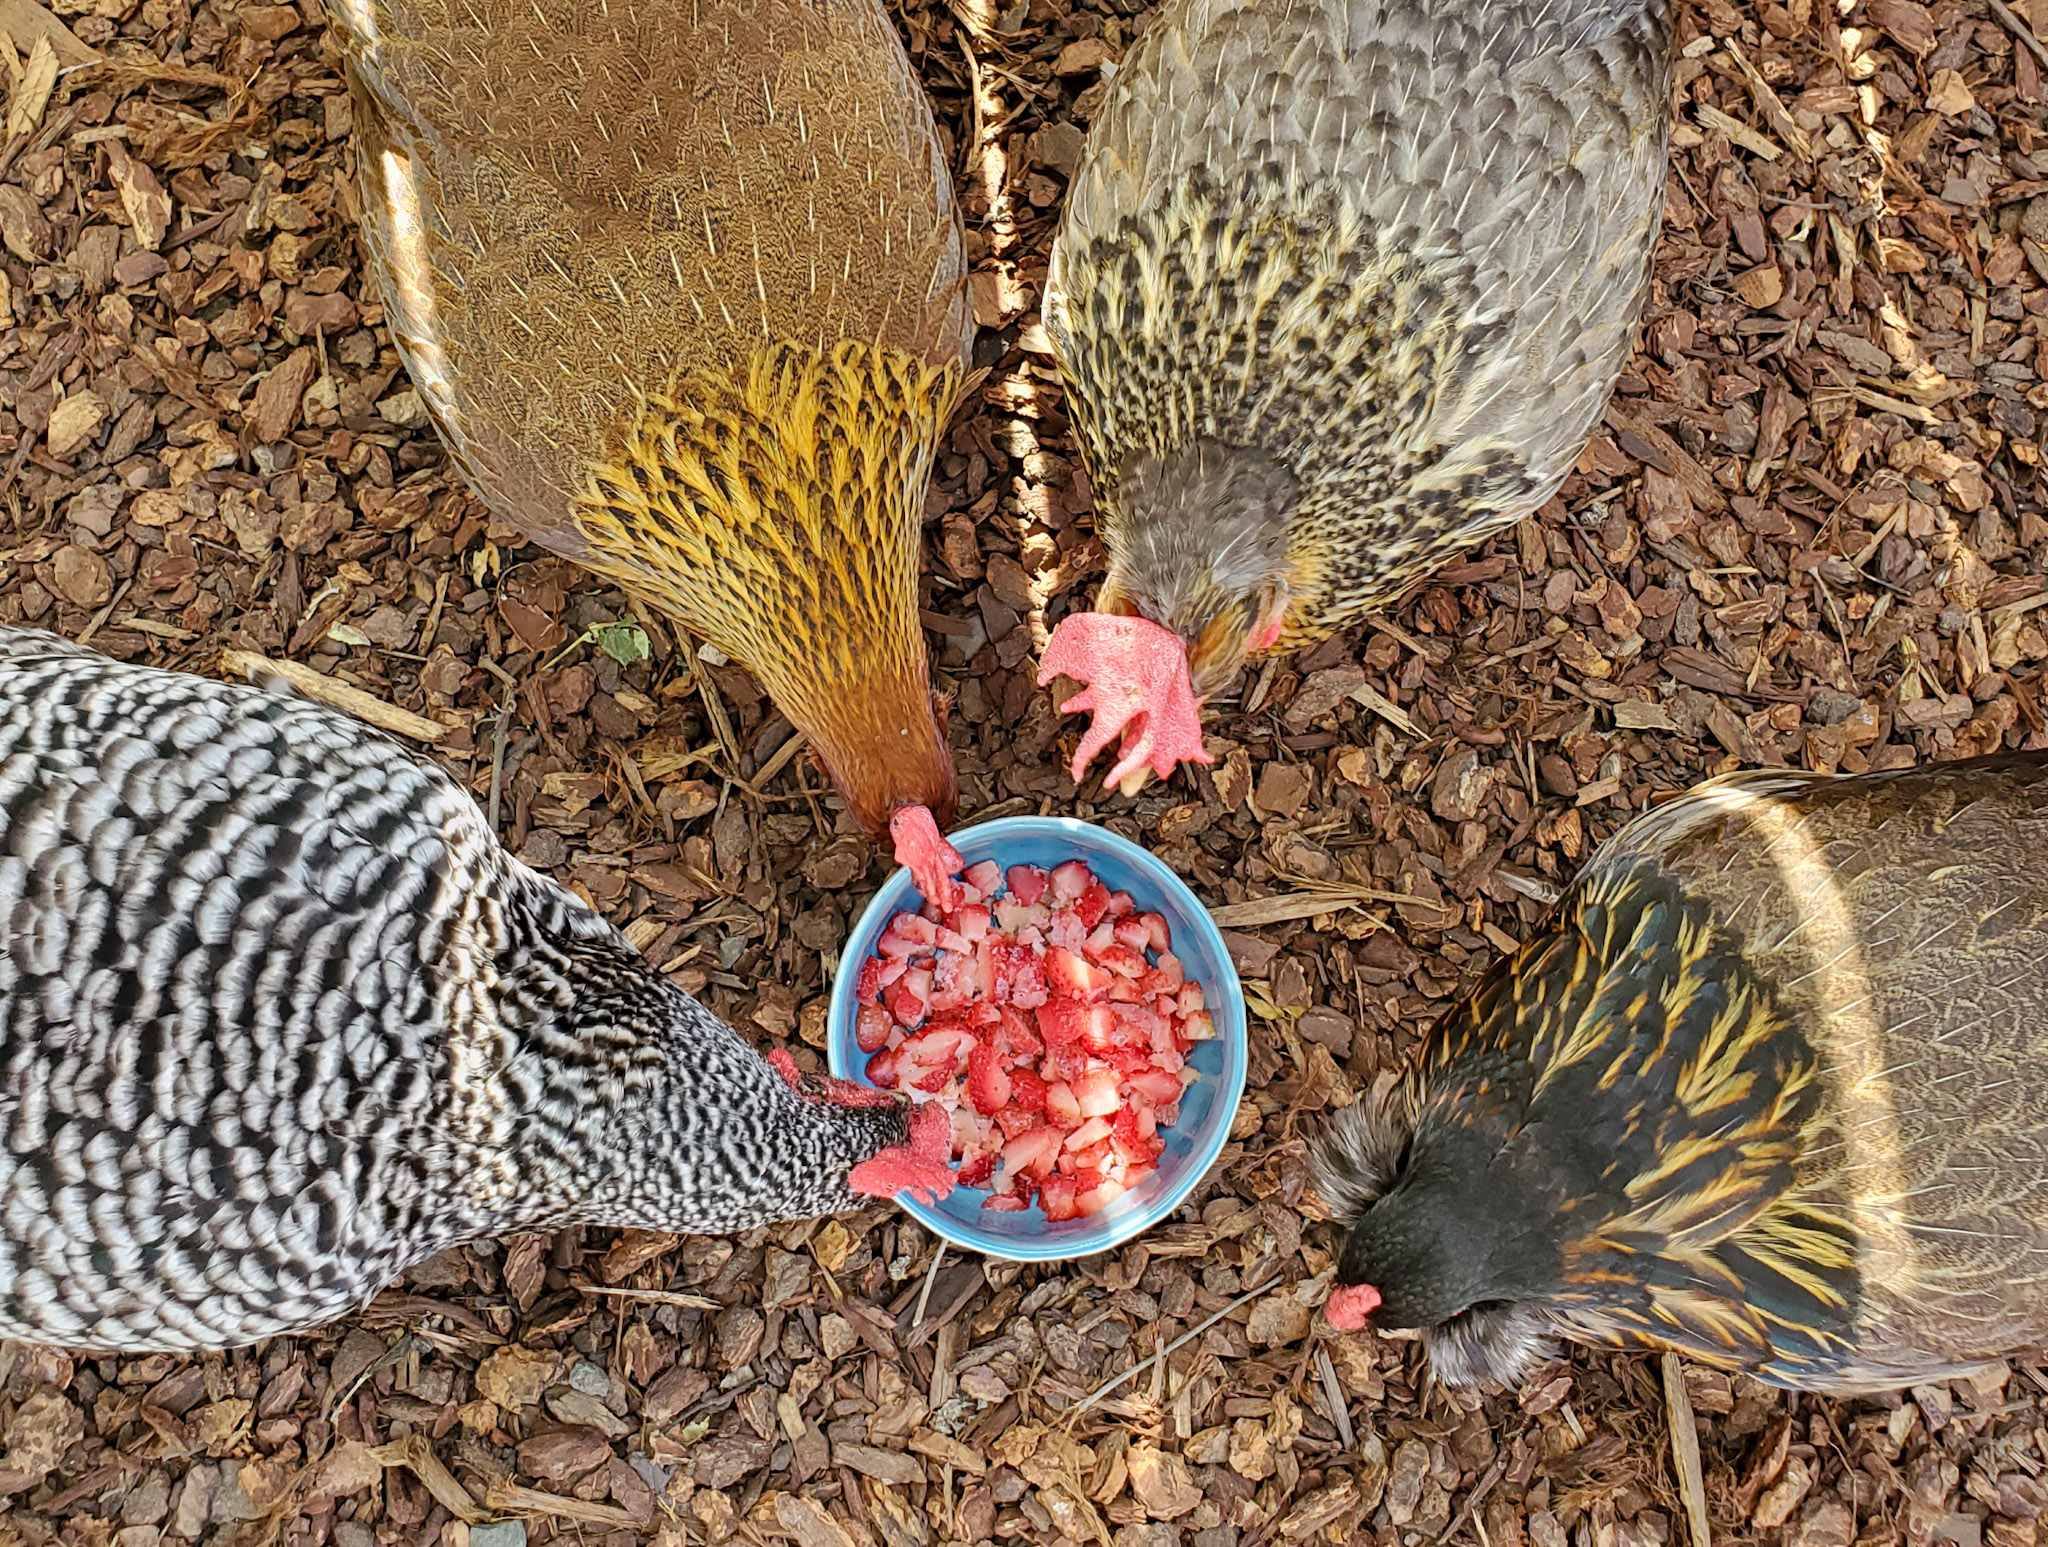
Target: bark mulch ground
<point>1809,532</point>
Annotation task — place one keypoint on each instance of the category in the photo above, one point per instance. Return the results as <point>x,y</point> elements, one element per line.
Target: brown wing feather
<point>568,202</point>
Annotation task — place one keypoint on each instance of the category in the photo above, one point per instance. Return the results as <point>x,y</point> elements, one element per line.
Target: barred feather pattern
<point>1768,1088</point>
<point>279,1017</point>
<point>1396,247</point>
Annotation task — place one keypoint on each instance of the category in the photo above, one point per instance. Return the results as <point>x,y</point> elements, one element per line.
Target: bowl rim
<point>888,899</point>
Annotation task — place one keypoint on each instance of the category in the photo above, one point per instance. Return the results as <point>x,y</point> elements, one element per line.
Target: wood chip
<point>32,92</point>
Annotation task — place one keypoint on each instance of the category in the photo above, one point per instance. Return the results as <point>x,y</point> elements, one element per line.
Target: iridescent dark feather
<point>1769,1086</point>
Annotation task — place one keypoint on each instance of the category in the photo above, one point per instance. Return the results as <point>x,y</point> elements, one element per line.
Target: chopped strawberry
<point>1028,1090</point>
<point>1014,1120</point>
<point>1056,1197</point>
<point>1060,1106</point>
<point>1027,1003</point>
<point>988,1087</point>
<point>1096,1091</point>
<point>1092,904</point>
<point>872,1027</point>
<point>885,1068</point>
<point>1073,976</point>
<point>1032,1153</point>
<point>906,1006</point>
<point>1122,960</point>
<point>1070,880</point>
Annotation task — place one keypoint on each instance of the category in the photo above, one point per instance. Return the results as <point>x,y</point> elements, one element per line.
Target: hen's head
<point>1438,1241</point>
<point>1617,1138</point>
<point>1197,551</point>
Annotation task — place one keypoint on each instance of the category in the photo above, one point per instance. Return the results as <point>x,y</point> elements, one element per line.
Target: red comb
<point>1137,683</point>
<point>932,862</point>
<point>1348,1309</point>
<point>920,1168</point>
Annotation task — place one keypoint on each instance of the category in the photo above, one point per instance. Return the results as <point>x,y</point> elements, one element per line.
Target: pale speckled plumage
<point>682,285</point>
<point>1843,1184</point>
<point>1399,247</point>
<point>279,1017</point>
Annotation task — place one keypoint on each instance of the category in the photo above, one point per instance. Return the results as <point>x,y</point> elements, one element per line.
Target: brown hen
<point>1770,1087</point>
<point>680,282</point>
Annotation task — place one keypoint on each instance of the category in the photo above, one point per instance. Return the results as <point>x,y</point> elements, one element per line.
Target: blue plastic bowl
<point>1206,1111</point>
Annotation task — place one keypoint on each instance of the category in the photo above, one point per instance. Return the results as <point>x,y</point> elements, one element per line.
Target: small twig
<point>924,1296</point>
<point>1169,1350</point>
<point>383,1361</point>
<point>1333,1393</point>
<point>417,1457</point>
<point>335,693</point>
<point>2020,30</point>
<point>652,1296</point>
<point>1685,1449</point>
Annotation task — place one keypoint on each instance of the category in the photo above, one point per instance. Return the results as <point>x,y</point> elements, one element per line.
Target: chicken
<point>279,1017</point>
<point>681,284</point>
<point>1340,288</point>
<point>1770,1087</point>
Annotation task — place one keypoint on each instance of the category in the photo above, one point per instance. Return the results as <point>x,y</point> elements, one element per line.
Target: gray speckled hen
<point>279,1017</point>
<point>1341,287</point>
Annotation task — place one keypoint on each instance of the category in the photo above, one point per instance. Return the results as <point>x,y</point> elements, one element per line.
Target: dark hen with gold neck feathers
<point>681,284</point>
<point>1340,288</point>
<point>1770,1087</point>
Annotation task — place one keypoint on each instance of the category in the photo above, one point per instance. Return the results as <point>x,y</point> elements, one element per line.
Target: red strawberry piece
<point>1059,1023</point>
<point>914,927</point>
<point>1142,1023</point>
<point>1027,883</point>
<point>1073,977</point>
<point>871,1027</point>
<point>1092,904</point>
<point>1122,960</point>
<point>1086,1179</point>
<point>1166,975</point>
<point>1099,1028</point>
<point>1130,1142</point>
<point>984,876</point>
<point>1161,934</point>
<point>1006,1203</point>
<point>1018,1039</point>
<point>1157,1087</point>
<point>1190,998</point>
<point>885,1068</point>
<point>1056,1197</point>
<point>937,1080</point>
<point>1130,1060</point>
<point>1197,1027</point>
<point>1095,1091</point>
<point>972,922</point>
<point>1027,1090</point>
<point>1066,930</point>
<point>1119,904</point>
<point>987,1086</point>
<point>952,941</point>
<point>1032,1153</point>
<point>1123,991</point>
<point>906,1006</point>
<point>1070,880</point>
<point>1015,1119</point>
<point>1060,1106</point>
<point>1100,939</point>
<point>1013,918</point>
<point>976,1171</point>
<point>867,988</point>
<point>1133,933</point>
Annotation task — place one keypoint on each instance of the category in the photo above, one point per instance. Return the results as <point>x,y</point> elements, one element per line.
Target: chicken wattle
<point>1136,685</point>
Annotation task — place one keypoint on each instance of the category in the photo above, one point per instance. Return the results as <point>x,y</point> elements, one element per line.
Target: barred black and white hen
<point>280,1017</point>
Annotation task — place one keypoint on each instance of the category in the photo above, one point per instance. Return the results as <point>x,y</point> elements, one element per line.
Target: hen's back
<point>226,922</point>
